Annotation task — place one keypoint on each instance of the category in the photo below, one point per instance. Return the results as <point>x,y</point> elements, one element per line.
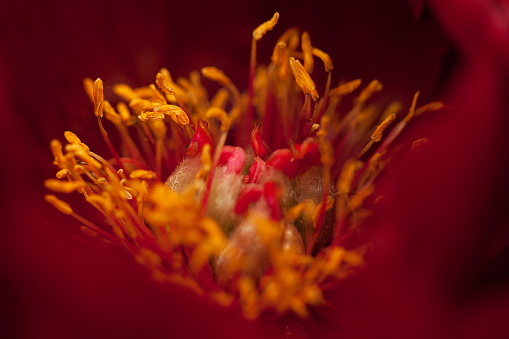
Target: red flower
<point>433,262</point>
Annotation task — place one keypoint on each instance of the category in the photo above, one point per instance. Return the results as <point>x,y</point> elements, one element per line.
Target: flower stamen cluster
<point>259,215</point>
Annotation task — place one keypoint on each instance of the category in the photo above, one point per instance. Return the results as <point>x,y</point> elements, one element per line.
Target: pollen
<point>256,200</point>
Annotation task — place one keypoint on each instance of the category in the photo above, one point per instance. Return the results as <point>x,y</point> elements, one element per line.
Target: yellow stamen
<point>307,50</point>
<point>142,174</point>
<point>411,111</point>
<point>345,89</point>
<point>260,31</point>
<point>176,113</point>
<point>303,79</point>
<point>111,114</point>
<point>63,173</point>
<point>151,116</point>
<point>98,97</point>
<point>59,204</point>
<point>325,59</point>
<point>56,185</point>
<point>88,85</point>
<point>125,91</point>
<point>374,86</point>
<point>73,139</point>
<point>377,134</point>
<point>432,106</point>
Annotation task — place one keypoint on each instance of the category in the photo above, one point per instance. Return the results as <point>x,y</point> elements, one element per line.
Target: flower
<point>359,301</point>
<point>265,226</point>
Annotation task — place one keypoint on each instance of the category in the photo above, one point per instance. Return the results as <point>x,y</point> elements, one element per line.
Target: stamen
<point>303,79</point>
<point>98,98</point>
<point>59,204</point>
<point>307,50</point>
<point>260,31</point>
<point>249,226</point>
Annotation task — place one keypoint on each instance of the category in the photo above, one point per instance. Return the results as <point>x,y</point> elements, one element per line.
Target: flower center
<point>253,199</point>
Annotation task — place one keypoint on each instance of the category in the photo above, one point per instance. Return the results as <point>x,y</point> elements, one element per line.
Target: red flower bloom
<point>433,261</point>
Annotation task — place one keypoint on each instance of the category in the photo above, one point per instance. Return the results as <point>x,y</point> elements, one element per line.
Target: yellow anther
<point>377,134</point>
<point>124,112</point>
<point>326,150</point>
<point>103,200</point>
<point>157,94</point>
<point>63,173</point>
<point>219,100</point>
<point>345,89</point>
<point>305,208</point>
<point>393,107</point>
<point>303,79</point>
<point>312,294</point>
<point>163,82</point>
<point>176,113</point>
<point>88,85</point>
<point>280,54</point>
<point>148,257</point>
<point>375,162</point>
<point>150,116</point>
<point>411,111</point>
<point>110,113</point>
<point>325,59</point>
<point>141,105</point>
<point>56,149</point>
<point>260,31</point>
<point>125,91</point>
<point>432,106</point>
<point>419,143</point>
<point>143,92</point>
<point>374,86</point>
<point>291,37</point>
<point>222,298</point>
<point>220,114</point>
<point>358,199</point>
<point>173,91</point>
<point>56,185</point>
<point>347,175</point>
<point>159,129</point>
<point>72,138</point>
<point>98,97</point>
<point>142,197</point>
<point>59,204</point>
<point>215,74</point>
<point>307,50</point>
<point>329,203</point>
<point>142,174</point>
